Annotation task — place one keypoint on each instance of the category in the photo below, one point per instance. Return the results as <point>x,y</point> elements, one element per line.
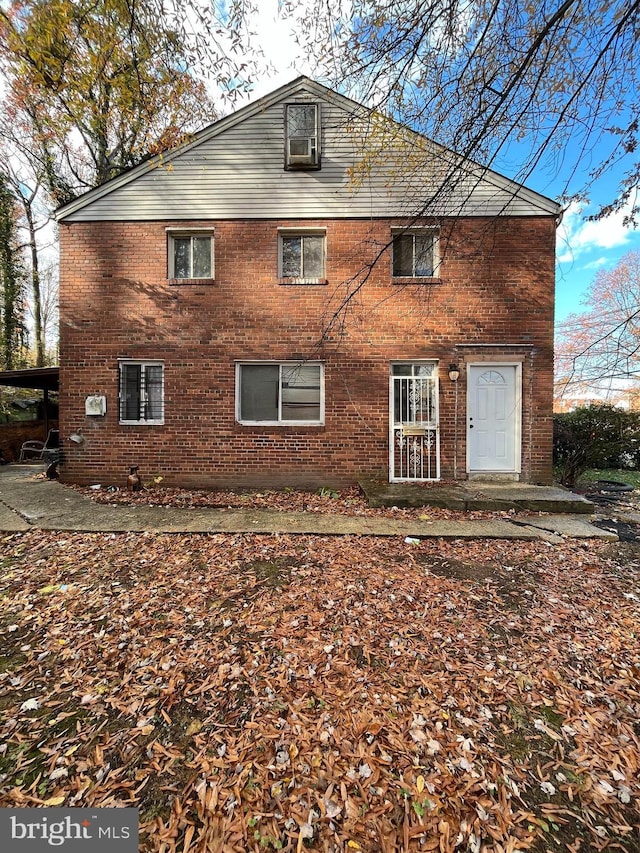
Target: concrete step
<point>476,495</point>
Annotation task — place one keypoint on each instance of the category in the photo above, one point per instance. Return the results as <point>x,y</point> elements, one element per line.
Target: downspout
<point>455,434</point>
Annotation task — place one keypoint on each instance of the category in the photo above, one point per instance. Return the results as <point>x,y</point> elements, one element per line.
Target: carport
<point>45,379</point>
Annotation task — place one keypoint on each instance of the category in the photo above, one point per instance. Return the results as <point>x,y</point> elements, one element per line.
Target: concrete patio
<point>476,495</point>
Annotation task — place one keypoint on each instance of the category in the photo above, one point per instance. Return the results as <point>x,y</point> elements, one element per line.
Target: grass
<point>623,475</point>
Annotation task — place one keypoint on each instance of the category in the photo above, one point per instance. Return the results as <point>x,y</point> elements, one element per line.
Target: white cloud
<point>584,248</point>
<point>577,237</point>
<point>594,265</point>
<point>277,41</point>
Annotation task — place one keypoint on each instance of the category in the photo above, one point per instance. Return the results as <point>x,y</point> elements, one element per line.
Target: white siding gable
<point>235,170</point>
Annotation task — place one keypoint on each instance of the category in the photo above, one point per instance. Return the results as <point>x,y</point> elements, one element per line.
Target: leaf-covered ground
<point>255,693</point>
<point>348,501</point>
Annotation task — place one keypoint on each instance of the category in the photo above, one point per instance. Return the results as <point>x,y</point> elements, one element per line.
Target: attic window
<point>302,136</point>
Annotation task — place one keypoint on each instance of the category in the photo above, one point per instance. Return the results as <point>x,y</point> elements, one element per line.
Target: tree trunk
<point>9,276</point>
<point>35,288</point>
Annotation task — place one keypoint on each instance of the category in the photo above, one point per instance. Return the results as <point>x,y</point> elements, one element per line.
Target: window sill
<point>409,279</point>
<point>289,424</point>
<point>190,281</point>
<point>295,281</point>
<point>141,423</point>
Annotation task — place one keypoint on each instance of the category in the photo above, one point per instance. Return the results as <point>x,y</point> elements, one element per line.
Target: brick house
<point>262,307</point>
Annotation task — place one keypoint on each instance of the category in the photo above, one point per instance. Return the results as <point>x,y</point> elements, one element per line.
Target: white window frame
<point>302,233</point>
<point>314,159</point>
<point>172,234</point>
<point>280,421</point>
<point>433,232</point>
<point>143,364</point>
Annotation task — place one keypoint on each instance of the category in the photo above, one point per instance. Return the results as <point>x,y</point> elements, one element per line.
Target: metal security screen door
<point>414,445</point>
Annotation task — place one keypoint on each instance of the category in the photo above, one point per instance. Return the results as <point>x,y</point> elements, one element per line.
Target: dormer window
<point>302,136</point>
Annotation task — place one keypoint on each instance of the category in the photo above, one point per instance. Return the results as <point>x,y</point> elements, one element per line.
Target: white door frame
<point>517,414</point>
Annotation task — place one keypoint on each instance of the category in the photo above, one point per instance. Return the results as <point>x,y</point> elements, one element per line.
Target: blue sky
<point>583,248</point>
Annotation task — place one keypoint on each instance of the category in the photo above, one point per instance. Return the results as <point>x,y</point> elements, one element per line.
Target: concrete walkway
<point>28,501</point>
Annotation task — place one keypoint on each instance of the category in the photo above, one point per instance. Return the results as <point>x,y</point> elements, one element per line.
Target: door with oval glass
<point>493,418</point>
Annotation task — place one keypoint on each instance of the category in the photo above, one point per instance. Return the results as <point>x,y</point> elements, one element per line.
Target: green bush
<point>595,436</point>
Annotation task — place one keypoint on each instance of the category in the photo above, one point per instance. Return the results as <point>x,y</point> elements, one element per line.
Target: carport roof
<point>46,378</point>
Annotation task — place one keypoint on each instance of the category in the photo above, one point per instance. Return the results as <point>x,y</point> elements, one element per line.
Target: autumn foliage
<point>598,349</point>
<point>98,86</point>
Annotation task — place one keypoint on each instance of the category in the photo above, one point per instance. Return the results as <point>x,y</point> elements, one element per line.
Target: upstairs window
<point>302,136</point>
<point>302,256</point>
<point>141,392</point>
<point>415,253</point>
<point>280,394</point>
<point>191,255</point>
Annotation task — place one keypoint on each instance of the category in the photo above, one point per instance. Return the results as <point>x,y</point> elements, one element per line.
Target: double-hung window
<point>415,253</point>
<point>141,392</point>
<point>302,256</point>
<point>190,255</point>
<point>286,393</point>
<point>302,136</point>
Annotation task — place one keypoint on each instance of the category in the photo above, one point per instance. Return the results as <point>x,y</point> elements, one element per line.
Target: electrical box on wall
<point>96,404</point>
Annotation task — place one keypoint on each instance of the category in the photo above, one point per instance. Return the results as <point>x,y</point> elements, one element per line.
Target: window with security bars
<point>414,254</point>
<point>280,393</point>
<point>414,394</point>
<point>141,392</point>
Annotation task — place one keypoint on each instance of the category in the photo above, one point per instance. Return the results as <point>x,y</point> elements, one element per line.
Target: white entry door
<point>493,418</point>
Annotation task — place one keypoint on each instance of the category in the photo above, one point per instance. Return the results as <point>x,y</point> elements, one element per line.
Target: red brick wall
<point>496,287</point>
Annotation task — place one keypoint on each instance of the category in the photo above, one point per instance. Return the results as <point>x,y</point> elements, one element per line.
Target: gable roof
<point>191,181</point>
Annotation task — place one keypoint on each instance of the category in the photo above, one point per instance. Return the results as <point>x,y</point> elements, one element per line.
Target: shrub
<point>595,436</point>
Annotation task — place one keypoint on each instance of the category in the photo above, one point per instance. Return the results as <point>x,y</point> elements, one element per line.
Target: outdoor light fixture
<point>454,372</point>
<point>76,438</point>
